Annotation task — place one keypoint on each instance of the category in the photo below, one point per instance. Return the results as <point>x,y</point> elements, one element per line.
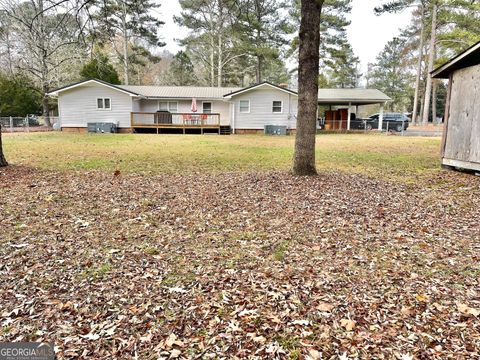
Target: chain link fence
<point>25,124</point>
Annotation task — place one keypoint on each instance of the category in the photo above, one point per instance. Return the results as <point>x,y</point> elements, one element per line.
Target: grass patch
<point>393,157</point>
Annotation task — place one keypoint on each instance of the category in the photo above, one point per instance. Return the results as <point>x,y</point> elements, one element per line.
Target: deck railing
<point>174,120</point>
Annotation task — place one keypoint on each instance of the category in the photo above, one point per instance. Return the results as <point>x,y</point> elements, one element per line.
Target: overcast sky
<point>368,33</point>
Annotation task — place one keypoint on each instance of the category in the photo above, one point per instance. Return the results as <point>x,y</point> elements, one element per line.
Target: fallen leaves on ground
<point>240,265</point>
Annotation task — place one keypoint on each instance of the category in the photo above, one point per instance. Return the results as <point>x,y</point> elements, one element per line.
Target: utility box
<point>275,130</point>
<point>102,127</point>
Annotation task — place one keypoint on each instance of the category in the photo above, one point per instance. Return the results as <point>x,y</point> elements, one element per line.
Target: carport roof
<point>351,96</point>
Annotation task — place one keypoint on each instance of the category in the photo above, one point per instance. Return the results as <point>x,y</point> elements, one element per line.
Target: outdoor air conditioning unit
<point>102,127</point>
<point>275,130</point>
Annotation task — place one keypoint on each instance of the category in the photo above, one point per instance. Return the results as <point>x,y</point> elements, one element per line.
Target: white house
<point>203,109</point>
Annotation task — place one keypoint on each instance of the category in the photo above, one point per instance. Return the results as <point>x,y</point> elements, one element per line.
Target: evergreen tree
<point>263,32</point>
<point>343,65</point>
<point>388,74</point>
<point>338,63</point>
<point>18,96</point>
<point>132,22</point>
<point>212,42</point>
<point>182,72</point>
<point>100,68</point>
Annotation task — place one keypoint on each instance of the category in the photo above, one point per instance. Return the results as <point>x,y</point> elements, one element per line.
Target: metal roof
<point>256,86</point>
<point>469,57</point>
<point>353,96</point>
<point>325,96</point>
<point>83,82</point>
<point>179,92</point>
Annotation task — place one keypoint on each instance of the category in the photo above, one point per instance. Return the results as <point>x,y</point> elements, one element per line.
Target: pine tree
<point>131,22</point>
<point>212,41</point>
<point>182,72</point>
<point>388,74</point>
<point>338,62</point>
<point>263,32</point>
<point>100,68</point>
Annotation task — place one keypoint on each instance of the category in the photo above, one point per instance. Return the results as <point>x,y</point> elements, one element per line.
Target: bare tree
<point>47,35</point>
<point>308,71</point>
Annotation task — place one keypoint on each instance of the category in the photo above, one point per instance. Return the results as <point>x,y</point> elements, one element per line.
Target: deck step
<point>225,130</point>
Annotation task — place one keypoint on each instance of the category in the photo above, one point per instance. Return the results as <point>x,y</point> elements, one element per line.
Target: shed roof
<point>469,57</point>
<point>179,92</point>
<point>351,96</point>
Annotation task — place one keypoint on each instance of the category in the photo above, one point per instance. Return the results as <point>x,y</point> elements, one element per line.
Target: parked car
<point>359,123</point>
<point>391,121</point>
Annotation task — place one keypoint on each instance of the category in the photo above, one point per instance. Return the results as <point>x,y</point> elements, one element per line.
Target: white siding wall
<point>261,114</point>
<point>185,106</point>
<point>78,106</point>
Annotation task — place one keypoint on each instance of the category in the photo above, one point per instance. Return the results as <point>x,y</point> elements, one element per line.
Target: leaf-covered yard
<point>247,262</point>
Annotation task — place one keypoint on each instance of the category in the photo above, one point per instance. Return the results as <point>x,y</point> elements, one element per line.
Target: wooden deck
<point>176,121</point>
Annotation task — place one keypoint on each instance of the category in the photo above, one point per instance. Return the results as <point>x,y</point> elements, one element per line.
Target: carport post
<point>380,118</point>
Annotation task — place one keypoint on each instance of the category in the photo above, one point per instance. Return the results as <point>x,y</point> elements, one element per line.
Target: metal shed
<point>461,134</point>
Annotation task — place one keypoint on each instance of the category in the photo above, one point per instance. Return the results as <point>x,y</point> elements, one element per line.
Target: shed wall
<point>462,141</point>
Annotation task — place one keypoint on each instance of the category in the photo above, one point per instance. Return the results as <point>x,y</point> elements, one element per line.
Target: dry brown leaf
<point>323,306</point>
<point>466,310</point>
<point>348,324</point>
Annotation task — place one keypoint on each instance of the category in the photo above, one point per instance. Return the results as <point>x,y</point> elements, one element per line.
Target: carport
<point>353,97</point>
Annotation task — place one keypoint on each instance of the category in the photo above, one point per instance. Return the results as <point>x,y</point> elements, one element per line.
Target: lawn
<point>207,247</point>
<point>388,156</point>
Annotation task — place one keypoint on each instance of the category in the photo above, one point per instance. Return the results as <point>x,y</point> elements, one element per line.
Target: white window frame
<point>281,107</point>
<point>103,108</point>
<point>169,108</point>
<point>240,107</point>
<point>211,107</point>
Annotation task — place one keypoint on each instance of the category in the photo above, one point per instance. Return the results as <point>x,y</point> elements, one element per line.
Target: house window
<point>104,104</point>
<point>244,106</point>
<point>277,107</point>
<point>207,107</point>
<point>171,106</point>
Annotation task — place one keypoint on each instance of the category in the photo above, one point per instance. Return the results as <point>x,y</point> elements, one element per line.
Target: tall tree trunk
<point>220,61</point>
<point>3,161</point>
<point>434,101</point>
<point>258,72</point>
<point>46,106</point>
<point>419,68</point>
<point>44,64</point>
<point>308,72</point>
<point>125,44</point>
<point>431,59</point>
<point>212,61</point>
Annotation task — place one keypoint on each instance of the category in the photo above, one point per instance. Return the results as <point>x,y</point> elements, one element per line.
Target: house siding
<point>261,114</point>
<point>185,106</point>
<point>79,106</point>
